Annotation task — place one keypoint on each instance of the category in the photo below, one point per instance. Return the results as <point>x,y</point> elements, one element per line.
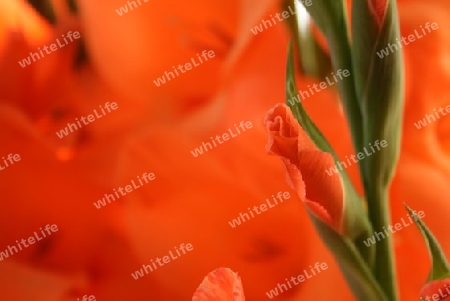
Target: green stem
<point>384,267</point>
<point>341,55</point>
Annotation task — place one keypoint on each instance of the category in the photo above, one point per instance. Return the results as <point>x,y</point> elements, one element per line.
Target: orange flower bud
<point>305,166</point>
<point>436,290</point>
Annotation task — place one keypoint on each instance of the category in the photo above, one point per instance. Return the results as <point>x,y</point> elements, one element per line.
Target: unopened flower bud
<point>436,290</point>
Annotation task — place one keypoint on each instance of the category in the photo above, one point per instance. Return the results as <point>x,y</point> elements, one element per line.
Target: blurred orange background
<point>154,129</point>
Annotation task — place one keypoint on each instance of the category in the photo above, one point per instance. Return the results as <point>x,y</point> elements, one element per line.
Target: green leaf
<point>295,103</point>
<point>355,269</point>
<point>440,268</point>
<point>330,17</point>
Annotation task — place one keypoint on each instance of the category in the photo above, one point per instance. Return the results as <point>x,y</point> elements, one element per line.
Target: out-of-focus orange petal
<point>23,32</point>
<point>24,283</point>
<point>143,51</point>
<point>212,190</point>
<point>220,285</point>
<point>253,87</point>
<point>288,140</point>
<point>425,94</point>
<point>19,16</point>
<point>251,14</point>
<point>60,187</point>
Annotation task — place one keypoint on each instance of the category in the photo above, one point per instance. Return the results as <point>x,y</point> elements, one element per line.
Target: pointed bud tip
<point>379,8</point>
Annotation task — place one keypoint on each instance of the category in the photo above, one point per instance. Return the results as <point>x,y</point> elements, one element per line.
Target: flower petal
<point>220,285</point>
<point>288,140</point>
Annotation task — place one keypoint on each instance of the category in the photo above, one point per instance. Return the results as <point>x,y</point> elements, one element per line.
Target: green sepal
<point>440,269</point>
<point>353,266</point>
